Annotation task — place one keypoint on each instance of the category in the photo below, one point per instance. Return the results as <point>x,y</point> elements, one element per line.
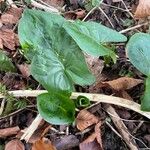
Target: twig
<point>89,13</point>
<point>11,3</point>
<point>139,125</point>
<point>93,97</point>
<point>49,9</point>
<point>127,9</point>
<point>122,129</point>
<point>114,130</point>
<point>114,7</point>
<point>28,133</point>
<point>106,16</point>
<point>99,98</point>
<point>135,27</point>
<point>15,112</point>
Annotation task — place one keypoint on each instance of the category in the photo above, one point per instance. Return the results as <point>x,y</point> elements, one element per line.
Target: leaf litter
<point>84,119</point>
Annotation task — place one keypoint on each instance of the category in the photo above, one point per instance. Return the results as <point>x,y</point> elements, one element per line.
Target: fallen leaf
<point>9,131</point>
<point>123,83</point>
<point>98,133</point>
<point>125,95</point>
<point>8,39</point>
<point>66,142</point>
<point>143,9</point>
<point>55,3</point>
<point>1,43</point>
<point>43,144</point>
<point>94,141</point>
<point>91,145</point>
<point>96,66</point>
<point>85,119</point>
<point>77,14</point>
<point>14,145</point>
<point>39,133</point>
<point>24,69</point>
<point>11,16</point>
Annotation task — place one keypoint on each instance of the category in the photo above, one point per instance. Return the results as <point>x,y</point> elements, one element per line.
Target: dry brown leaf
<point>24,69</point>
<point>96,66</point>
<point>56,3</point>
<point>66,142</point>
<point>91,145</point>
<point>14,145</point>
<point>9,131</point>
<point>1,43</point>
<point>11,16</point>
<point>77,14</point>
<point>125,95</point>
<point>43,144</point>
<point>123,83</point>
<point>94,141</point>
<point>8,38</point>
<point>143,9</point>
<point>98,133</point>
<point>85,119</point>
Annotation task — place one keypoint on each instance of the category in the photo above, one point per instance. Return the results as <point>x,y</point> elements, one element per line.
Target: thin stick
<point>99,98</point>
<point>126,136</point>
<point>114,7</point>
<point>28,133</point>
<point>106,16</point>
<point>11,3</point>
<point>114,130</point>
<point>93,97</point>
<point>135,27</point>
<point>49,9</point>
<point>127,9</point>
<point>89,13</point>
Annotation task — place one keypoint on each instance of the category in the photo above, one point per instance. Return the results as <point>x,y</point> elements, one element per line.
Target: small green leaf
<point>55,108</point>
<point>82,102</point>
<point>90,36</point>
<point>145,101</point>
<point>138,51</point>
<point>5,63</point>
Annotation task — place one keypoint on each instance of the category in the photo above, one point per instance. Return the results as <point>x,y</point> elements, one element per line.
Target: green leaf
<point>37,29</point>
<point>5,63</point>
<point>57,61</point>
<point>145,103</point>
<point>55,108</point>
<point>82,102</point>
<point>90,36</point>
<point>138,51</point>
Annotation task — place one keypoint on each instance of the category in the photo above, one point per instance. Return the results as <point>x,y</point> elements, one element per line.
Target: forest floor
<point>100,126</point>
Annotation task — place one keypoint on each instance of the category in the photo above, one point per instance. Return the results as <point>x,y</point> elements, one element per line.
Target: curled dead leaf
<point>43,144</point>
<point>85,119</point>
<point>143,9</point>
<point>14,145</point>
<point>55,3</point>
<point>77,14</point>
<point>11,16</point>
<point>94,141</point>
<point>123,83</point>
<point>96,66</point>
<point>24,69</point>
<point>8,39</point>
